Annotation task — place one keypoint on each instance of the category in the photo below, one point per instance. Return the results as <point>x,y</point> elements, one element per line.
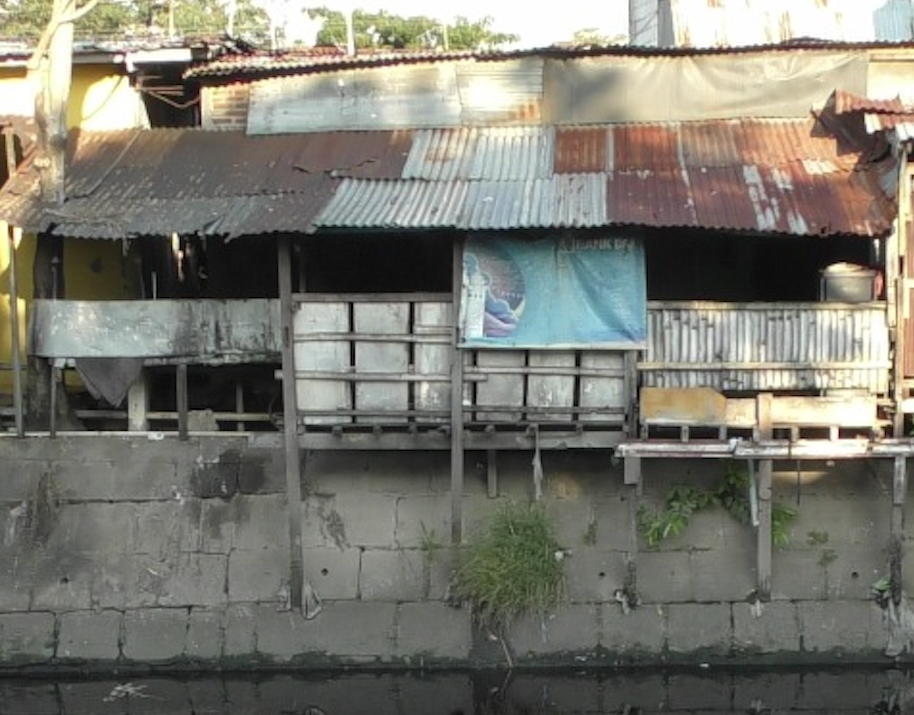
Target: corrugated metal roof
<point>260,65</point>
<point>846,102</point>
<point>776,176</point>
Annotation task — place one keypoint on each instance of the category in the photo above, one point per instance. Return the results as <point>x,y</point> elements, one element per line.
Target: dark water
<point>631,692</point>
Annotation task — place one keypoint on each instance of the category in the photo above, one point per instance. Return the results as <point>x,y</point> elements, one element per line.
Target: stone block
<point>89,635</point>
<point>573,628</point>
<point>128,581</point>
<point>664,577</point>
<point>442,563</point>
<point>62,580</point>
<point>165,528</point>
<point>766,627</point>
<point>850,572</point>
<point>334,573</point>
<point>26,638</point>
<point>699,627</point>
<point>262,471</point>
<point>422,519</point>
<point>849,627</point>
<point>204,637</point>
<point>594,574</point>
<point>640,631</point>
<point>281,635</point>
<point>20,479</point>
<point>724,574</point>
<point>154,634</point>
<point>260,522</point>
<point>366,522</point>
<point>357,631</point>
<point>258,576</point>
<point>18,567</point>
<point>429,632</point>
<point>797,575</point>
<point>611,529</point>
<point>240,632</point>
<point>194,580</point>
<point>571,517</point>
<point>93,526</point>
<point>397,575</point>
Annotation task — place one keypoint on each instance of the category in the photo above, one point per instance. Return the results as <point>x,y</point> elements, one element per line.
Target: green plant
<point>816,538</point>
<point>515,566</point>
<point>428,541</point>
<point>827,557</point>
<point>731,493</point>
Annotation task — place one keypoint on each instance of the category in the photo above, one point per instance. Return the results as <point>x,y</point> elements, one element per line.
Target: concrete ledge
<point>428,632</point>
<point>26,638</point>
<point>89,636</point>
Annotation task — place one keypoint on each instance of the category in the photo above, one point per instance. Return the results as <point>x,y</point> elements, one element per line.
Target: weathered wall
<point>135,551</point>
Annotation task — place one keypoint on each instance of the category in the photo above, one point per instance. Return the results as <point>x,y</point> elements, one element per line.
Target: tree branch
<point>49,30</point>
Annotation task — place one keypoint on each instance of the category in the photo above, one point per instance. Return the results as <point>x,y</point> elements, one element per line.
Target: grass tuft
<point>514,567</point>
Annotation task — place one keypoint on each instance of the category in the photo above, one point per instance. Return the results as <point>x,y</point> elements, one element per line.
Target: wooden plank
<point>551,390</point>
<point>843,411</point>
<point>457,392</point>
<point>372,297</point>
<point>681,406</point>
<point>502,388</point>
<point>290,427</point>
<point>432,360</point>
<point>329,355</point>
<point>606,390</point>
<point>181,399</point>
<point>381,357</point>
<point>15,235</point>
<point>435,440</point>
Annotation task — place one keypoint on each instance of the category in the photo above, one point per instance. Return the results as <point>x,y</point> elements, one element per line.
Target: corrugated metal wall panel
<point>509,92</point>
<point>770,347</point>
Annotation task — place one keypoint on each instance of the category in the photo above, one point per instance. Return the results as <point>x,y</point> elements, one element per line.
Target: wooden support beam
<point>290,428</point>
<point>492,472</point>
<point>763,487</point>
<point>15,234</point>
<point>457,455</point>
<point>181,399</point>
<point>896,539</point>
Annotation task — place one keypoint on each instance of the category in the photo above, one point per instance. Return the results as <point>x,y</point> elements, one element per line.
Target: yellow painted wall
<point>100,98</point>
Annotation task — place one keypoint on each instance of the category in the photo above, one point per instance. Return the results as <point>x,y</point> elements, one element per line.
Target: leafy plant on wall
<point>731,493</point>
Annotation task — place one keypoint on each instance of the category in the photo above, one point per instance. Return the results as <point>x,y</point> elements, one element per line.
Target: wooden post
<point>290,427</point>
<point>15,234</point>
<point>181,399</point>
<point>896,552</point>
<point>765,431</point>
<point>456,396</point>
<point>492,472</point>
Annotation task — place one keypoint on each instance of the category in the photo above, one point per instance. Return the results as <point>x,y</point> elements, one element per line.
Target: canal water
<point>699,691</point>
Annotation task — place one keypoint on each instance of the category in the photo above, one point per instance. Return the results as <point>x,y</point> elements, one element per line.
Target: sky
<point>537,26</point>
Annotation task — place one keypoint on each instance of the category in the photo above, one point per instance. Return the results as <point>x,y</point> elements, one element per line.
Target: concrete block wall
<point>130,551</point>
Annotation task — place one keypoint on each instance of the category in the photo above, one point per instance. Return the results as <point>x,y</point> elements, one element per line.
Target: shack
<point>652,253</point>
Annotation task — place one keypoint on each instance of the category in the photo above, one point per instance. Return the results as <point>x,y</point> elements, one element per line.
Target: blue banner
<point>566,292</point>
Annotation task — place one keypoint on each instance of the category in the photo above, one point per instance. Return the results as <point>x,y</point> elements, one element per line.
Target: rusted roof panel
<point>846,102</point>
<point>582,150</point>
<point>773,176</point>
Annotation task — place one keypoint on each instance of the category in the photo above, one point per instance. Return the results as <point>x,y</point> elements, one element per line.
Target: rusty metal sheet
<point>582,150</point>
